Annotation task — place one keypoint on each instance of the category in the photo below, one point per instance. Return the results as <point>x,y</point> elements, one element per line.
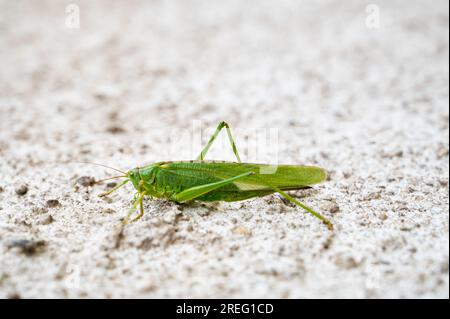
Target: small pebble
<point>442,182</point>
<point>115,129</point>
<point>22,190</point>
<point>26,246</point>
<point>53,203</point>
<point>1,189</point>
<point>86,181</point>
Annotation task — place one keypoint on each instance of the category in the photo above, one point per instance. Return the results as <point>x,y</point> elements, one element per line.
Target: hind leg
<point>221,125</point>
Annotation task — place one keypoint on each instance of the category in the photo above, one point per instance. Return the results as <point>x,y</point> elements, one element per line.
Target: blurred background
<point>359,88</point>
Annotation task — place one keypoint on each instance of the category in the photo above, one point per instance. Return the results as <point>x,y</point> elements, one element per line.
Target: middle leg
<point>137,202</point>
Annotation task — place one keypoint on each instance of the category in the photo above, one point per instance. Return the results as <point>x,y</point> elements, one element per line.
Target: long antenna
<point>106,179</point>
<point>106,166</point>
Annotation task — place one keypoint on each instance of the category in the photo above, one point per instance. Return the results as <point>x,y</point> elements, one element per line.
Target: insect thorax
<point>144,180</point>
<point>141,177</point>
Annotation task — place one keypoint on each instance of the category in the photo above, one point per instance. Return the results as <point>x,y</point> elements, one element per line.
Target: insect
<point>207,181</point>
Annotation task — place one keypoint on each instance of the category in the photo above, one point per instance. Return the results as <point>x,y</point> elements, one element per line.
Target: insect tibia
<point>114,189</point>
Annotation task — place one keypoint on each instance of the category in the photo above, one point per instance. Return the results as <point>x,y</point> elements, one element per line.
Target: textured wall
<point>368,104</point>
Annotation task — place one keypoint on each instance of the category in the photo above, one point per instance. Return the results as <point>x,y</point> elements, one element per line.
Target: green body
<point>219,181</point>
<point>167,179</point>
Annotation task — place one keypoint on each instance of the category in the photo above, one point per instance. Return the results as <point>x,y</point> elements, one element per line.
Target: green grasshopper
<point>208,181</point>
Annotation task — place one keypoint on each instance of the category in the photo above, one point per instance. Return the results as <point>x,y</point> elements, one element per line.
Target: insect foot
<point>328,224</point>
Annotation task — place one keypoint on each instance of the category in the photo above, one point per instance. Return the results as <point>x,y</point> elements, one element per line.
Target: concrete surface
<point>366,101</point>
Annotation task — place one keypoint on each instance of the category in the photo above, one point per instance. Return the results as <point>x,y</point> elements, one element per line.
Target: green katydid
<point>207,181</point>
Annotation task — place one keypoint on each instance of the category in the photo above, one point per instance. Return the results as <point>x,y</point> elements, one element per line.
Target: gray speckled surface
<point>369,105</point>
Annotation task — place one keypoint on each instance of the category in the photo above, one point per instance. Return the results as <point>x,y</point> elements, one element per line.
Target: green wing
<point>282,176</point>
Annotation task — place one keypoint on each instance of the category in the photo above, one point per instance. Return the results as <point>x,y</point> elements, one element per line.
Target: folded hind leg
<point>221,125</point>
